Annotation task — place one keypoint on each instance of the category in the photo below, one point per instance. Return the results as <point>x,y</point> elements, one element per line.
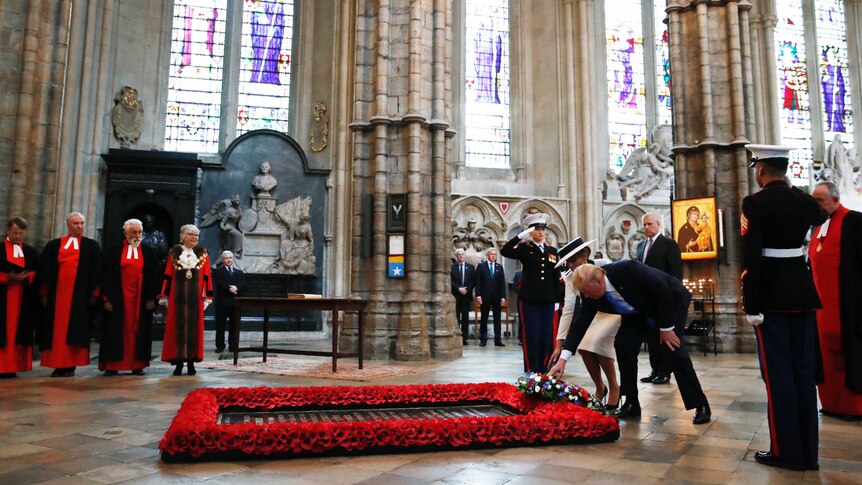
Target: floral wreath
<point>550,388</point>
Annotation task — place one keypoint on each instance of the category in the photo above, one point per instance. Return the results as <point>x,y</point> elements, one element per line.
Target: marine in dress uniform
<point>18,300</point>
<point>129,287</point>
<point>540,288</point>
<point>780,299</point>
<point>70,270</point>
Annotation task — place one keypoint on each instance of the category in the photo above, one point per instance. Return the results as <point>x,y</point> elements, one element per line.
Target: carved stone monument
<point>127,116</point>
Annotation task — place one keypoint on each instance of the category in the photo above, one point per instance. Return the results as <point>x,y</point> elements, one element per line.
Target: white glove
<point>207,304</point>
<point>525,234</point>
<point>163,301</point>
<point>755,319</point>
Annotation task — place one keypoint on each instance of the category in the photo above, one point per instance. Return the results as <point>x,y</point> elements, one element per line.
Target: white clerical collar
<point>132,252</point>
<point>824,228</point>
<point>17,252</point>
<point>73,242</point>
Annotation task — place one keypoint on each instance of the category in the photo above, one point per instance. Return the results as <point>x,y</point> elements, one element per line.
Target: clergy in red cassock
<point>187,291</point>
<point>18,300</point>
<point>130,283</point>
<point>70,270</point>
<point>835,252</point>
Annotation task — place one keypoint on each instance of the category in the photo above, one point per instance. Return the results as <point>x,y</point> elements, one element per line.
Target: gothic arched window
<point>636,46</point>
<point>828,96</point>
<point>211,100</point>
<point>487,119</point>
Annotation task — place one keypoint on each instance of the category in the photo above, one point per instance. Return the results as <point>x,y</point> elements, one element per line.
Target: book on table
<point>304,296</point>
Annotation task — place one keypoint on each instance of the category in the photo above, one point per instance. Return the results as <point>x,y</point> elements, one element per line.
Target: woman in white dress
<point>597,346</point>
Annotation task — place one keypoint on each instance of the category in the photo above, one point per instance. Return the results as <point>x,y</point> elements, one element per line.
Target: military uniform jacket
<point>540,282</point>
<point>777,217</point>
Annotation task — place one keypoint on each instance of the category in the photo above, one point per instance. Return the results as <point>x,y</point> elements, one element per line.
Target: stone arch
<point>477,225</point>
<point>556,224</point>
<point>621,232</point>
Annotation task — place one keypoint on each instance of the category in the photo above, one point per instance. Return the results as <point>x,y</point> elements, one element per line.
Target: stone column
<point>401,145</point>
<point>712,92</point>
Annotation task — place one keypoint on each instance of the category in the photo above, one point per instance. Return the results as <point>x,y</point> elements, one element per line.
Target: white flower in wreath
<point>188,259</point>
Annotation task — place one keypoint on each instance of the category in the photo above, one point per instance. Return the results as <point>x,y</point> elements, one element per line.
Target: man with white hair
<point>463,280</point>
<point>130,283</point>
<point>70,272</point>
<point>228,282</point>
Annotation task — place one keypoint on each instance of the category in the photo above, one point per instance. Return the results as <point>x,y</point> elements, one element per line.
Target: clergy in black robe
<point>18,299</point>
<point>70,270</point>
<point>130,283</point>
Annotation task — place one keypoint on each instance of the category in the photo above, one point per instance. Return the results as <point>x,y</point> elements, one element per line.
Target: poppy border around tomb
<point>195,435</point>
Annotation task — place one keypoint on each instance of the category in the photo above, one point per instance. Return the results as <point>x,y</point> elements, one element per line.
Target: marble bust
<point>264,183</point>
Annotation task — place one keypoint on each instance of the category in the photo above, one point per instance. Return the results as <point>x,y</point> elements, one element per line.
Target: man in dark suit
<point>649,301</point>
<point>491,294</point>
<point>661,253</point>
<point>540,287</point>
<point>780,300</point>
<point>463,280</point>
<point>229,283</point>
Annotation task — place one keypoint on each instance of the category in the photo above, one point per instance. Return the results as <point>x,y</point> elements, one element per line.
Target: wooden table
<point>335,305</point>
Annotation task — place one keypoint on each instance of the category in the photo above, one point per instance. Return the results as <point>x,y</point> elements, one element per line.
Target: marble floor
<point>97,429</point>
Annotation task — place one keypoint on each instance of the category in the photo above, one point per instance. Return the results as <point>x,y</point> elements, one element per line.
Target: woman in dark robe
<point>187,291</point>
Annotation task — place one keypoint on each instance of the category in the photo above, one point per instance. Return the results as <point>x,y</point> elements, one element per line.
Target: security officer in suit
<point>780,299</point>
<point>229,283</point>
<point>648,300</point>
<point>661,253</point>
<point>490,293</point>
<point>463,280</point>
<point>540,287</point>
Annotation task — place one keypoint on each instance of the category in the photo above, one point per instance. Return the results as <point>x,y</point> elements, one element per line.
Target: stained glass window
<point>196,108</point>
<point>195,83</point>
<point>625,58</point>
<point>662,57</point>
<point>264,87</point>
<point>834,77</point>
<point>793,93</point>
<point>486,122</point>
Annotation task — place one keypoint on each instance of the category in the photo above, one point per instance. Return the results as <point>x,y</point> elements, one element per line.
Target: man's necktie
<point>646,249</point>
<point>621,306</point>
<point>491,266</point>
<point>462,274</point>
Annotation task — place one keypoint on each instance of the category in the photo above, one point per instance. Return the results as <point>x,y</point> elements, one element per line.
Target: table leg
<point>265,332</point>
<point>235,326</point>
<point>361,343</point>
<point>334,340</point>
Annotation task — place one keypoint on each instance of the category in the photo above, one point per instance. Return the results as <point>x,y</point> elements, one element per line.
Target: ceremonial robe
<point>186,289</point>
<point>70,279</point>
<point>128,283</point>
<point>836,262</point>
<point>18,304</point>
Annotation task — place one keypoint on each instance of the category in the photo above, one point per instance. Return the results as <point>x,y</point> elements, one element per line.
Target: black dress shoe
<point>766,458</point>
<point>8,375</point>
<point>138,372</point>
<point>178,370</point>
<point>499,344</point>
<point>627,410</point>
<point>661,379</point>
<point>702,414</point>
<point>650,377</point>
<point>464,342</point>
<point>483,343</point>
<point>111,373</point>
<point>57,373</point>
<point>191,369</point>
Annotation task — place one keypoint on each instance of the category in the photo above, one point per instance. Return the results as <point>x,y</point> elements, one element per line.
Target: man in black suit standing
<point>463,279</point>
<point>229,283</point>
<point>661,253</point>
<point>491,294</point>
<point>649,301</point>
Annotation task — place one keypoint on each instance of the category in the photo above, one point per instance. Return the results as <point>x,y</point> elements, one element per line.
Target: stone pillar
<point>713,89</point>
<point>34,62</point>
<point>401,145</point>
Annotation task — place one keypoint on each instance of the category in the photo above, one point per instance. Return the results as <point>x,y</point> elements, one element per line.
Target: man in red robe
<point>18,296</point>
<point>835,252</point>
<point>129,286</point>
<point>70,270</point>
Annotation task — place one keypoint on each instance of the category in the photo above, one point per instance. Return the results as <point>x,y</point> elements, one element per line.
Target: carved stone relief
<point>127,116</point>
<point>841,167</point>
<point>647,172</point>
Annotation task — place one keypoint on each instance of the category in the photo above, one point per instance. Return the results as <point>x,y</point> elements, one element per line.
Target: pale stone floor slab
<point>97,429</point>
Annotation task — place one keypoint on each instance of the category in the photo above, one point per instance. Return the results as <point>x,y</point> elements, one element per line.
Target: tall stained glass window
<point>662,58</point>
<point>834,82</point>
<point>195,83</point>
<point>626,99</point>
<point>794,103</point>
<point>264,86</point>
<point>486,122</point>
<point>196,109</point>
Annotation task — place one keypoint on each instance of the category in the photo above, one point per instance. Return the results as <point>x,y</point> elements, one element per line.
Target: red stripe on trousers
<point>765,367</point>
